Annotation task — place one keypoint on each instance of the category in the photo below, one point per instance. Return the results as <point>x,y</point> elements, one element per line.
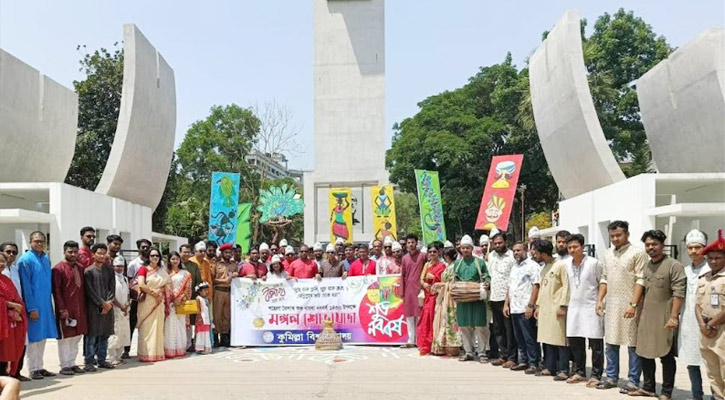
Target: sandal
<point>628,389</point>
<point>641,393</point>
<point>544,372</point>
<point>592,383</point>
<point>576,378</point>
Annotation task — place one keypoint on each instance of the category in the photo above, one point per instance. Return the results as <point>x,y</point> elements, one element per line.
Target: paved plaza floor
<point>356,372</point>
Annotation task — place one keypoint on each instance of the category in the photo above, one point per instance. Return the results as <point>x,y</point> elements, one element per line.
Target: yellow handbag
<point>187,307</point>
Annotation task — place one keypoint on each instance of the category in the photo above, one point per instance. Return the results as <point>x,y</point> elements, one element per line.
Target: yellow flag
<point>341,214</point>
<point>384,223</point>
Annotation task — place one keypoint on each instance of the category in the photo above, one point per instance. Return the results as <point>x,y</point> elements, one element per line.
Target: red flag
<point>499,192</point>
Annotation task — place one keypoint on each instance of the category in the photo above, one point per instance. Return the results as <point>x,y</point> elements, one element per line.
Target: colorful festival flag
<point>244,226</point>
<point>341,214</point>
<point>499,192</point>
<point>431,206</point>
<point>223,207</point>
<point>384,222</point>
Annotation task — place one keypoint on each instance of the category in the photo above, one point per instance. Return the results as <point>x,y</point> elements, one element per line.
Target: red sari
<point>12,333</point>
<point>424,331</point>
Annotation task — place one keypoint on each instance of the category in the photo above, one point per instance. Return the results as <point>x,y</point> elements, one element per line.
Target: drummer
<point>471,316</point>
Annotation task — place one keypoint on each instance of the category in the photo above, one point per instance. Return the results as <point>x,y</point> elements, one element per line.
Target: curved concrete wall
<point>572,138</point>
<point>682,101</point>
<point>140,159</point>
<point>38,124</point>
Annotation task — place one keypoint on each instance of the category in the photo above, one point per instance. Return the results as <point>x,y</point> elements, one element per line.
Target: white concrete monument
<point>38,123</point>
<point>682,101</point>
<point>143,146</point>
<point>572,138</point>
<point>682,108</point>
<point>349,101</point>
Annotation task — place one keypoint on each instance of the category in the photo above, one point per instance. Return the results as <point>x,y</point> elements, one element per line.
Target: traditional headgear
<point>283,243</point>
<point>264,247</point>
<point>695,236</point>
<point>448,245</point>
<point>484,239</point>
<point>493,232</point>
<point>200,286</point>
<point>534,232</point>
<point>119,260</point>
<point>397,246</point>
<point>317,246</point>
<point>424,250</point>
<point>275,259</point>
<point>339,241</point>
<point>716,245</point>
<point>200,246</point>
<point>388,241</point>
<point>226,246</point>
<point>289,250</point>
<point>467,241</point>
<point>329,248</point>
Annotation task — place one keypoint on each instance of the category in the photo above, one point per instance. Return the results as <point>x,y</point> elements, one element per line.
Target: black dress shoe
<point>106,365</point>
<point>36,375</point>
<point>47,373</point>
<point>23,378</point>
<point>78,370</point>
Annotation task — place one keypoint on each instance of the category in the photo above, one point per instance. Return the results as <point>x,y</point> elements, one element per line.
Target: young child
<point>121,305</point>
<point>203,320</point>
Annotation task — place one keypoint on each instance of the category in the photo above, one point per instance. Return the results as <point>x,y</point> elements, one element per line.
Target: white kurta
<point>581,318</point>
<point>688,344</point>
<point>121,329</point>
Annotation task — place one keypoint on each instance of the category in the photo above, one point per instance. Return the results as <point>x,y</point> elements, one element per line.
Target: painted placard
<point>341,214</point>
<point>384,222</point>
<point>244,226</point>
<point>223,207</point>
<point>431,206</point>
<point>363,309</point>
<point>499,192</point>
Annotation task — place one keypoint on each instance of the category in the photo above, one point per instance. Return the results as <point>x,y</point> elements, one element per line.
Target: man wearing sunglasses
<point>304,267</point>
<point>88,239</point>
<point>332,267</point>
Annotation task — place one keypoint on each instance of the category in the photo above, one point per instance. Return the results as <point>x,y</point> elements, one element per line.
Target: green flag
<point>431,206</point>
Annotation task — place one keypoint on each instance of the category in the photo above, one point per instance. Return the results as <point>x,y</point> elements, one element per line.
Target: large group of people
<point>541,304</point>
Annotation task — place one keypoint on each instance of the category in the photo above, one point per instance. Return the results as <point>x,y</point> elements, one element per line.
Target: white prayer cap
<point>370,245</point>
<point>339,241</point>
<point>484,239</point>
<point>317,246</point>
<point>119,260</point>
<point>534,232</point>
<point>264,247</point>
<point>276,259</point>
<point>448,245</point>
<point>397,246</point>
<point>200,246</point>
<point>695,236</point>
<point>494,231</point>
<point>388,241</point>
<point>424,250</point>
<point>467,241</point>
<point>289,250</point>
<point>330,248</point>
<point>283,243</point>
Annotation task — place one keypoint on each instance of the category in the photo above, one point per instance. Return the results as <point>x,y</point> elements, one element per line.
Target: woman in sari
<point>431,274</point>
<point>153,284</point>
<point>276,273</point>
<point>175,326</point>
<point>446,335</point>
<point>13,325</point>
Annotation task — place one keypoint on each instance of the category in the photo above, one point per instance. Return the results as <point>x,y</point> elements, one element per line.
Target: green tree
<point>622,48</point>
<point>457,132</point>
<point>407,214</point>
<point>99,101</point>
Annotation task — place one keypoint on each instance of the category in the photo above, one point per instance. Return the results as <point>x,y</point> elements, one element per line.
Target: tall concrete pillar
<point>349,103</point>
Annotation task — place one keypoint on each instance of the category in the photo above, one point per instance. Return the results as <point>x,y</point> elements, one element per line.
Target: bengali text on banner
<point>363,309</point>
<point>431,206</point>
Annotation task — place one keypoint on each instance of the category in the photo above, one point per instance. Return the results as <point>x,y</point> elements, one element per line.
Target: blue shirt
<point>346,264</point>
<point>36,280</point>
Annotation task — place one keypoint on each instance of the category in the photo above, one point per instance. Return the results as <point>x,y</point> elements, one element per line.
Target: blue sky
<point>252,52</point>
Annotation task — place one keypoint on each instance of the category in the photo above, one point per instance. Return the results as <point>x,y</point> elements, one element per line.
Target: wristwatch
<point>633,305</point>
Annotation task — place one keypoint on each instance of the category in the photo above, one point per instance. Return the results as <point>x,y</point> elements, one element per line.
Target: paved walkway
<point>356,372</point>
